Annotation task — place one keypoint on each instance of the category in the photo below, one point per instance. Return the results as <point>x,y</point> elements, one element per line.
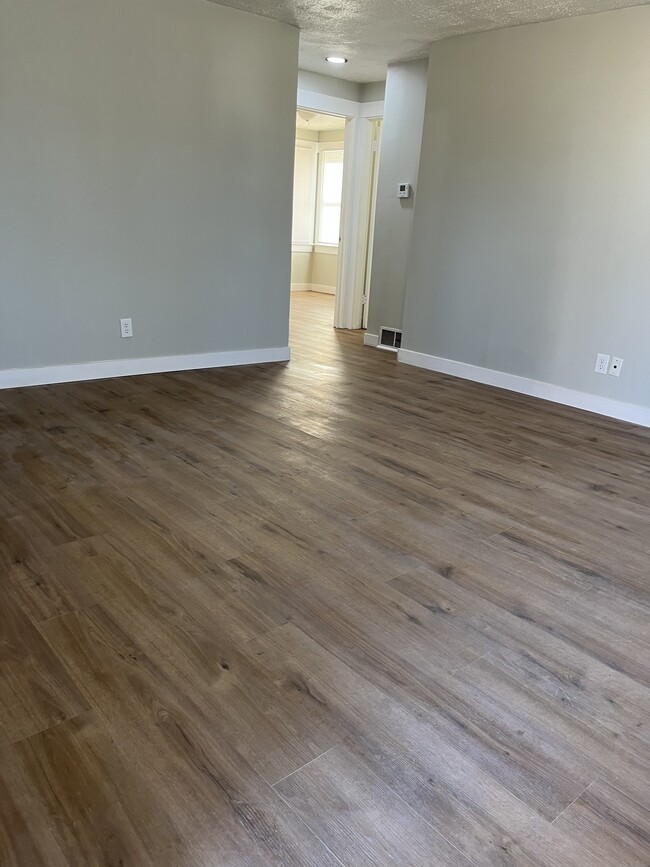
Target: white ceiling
<point>318,122</point>
<point>373,33</point>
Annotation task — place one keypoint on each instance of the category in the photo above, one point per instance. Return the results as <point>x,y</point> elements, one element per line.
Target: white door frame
<point>372,207</point>
<point>355,215</point>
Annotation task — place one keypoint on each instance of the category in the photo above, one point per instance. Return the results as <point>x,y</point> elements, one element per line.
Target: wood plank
<point>80,800</point>
<point>23,839</point>
<point>400,593</point>
<point>195,636</point>
<point>611,826</point>
<point>225,809</point>
<point>404,747</point>
<point>360,818</point>
<point>557,667</point>
<point>36,691</point>
<point>563,604</point>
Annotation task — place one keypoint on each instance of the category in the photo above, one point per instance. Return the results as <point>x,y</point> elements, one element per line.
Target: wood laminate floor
<point>336,612</point>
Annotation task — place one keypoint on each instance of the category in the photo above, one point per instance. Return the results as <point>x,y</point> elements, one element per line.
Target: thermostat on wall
<point>403,191</point>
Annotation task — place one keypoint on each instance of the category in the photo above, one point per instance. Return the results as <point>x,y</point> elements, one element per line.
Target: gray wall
<point>373,91</point>
<point>531,245</point>
<point>146,170</point>
<point>406,88</point>
<point>328,85</point>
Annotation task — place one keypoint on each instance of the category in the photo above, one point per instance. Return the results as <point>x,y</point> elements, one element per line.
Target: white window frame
<point>307,245</point>
<point>325,147</point>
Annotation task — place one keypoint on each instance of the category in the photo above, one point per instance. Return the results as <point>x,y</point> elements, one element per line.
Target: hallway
<point>335,612</point>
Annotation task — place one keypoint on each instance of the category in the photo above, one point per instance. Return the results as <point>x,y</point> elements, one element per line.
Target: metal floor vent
<point>389,338</point>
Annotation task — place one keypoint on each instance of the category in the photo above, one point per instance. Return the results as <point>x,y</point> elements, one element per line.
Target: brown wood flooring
<point>336,612</point>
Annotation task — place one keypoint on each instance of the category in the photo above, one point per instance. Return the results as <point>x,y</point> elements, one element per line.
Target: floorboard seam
<point>306,824</point>
<point>469,664</point>
<point>561,813</point>
<point>13,743</point>
<point>315,759</point>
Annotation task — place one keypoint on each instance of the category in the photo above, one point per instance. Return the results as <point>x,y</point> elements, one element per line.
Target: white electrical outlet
<point>126,327</point>
<point>602,363</point>
<point>615,366</point>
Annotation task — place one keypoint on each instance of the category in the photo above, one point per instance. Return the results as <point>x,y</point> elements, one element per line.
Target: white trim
<point>372,109</point>
<point>25,376</point>
<point>303,241</point>
<point>355,219</point>
<point>313,287</point>
<point>328,155</point>
<point>328,249</point>
<point>314,101</point>
<point>337,145</point>
<point>356,192</point>
<point>629,412</point>
<point>370,339</point>
<point>375,159</point>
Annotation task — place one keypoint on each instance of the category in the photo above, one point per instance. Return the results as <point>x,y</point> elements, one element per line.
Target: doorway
<point>361,144</point>
<point>317,202</point>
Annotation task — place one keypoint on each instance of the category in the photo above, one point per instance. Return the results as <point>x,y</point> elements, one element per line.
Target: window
<point>330,188</point>
<point>304,193</point>
<point>317,188</point>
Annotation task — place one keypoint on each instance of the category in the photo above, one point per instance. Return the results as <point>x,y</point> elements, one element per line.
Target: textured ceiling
<point>373,33</point>
<point>318,122</point>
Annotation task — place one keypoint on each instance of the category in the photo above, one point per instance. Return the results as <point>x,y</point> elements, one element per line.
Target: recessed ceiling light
<point>334,59</point>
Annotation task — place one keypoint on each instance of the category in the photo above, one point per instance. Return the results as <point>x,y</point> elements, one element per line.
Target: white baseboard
<point>370,339</point>
<point>313,287</point>
<point>630,412</point>
<point>18,377</point>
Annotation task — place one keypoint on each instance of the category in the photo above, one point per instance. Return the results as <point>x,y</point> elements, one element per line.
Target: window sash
<point>328,211</point>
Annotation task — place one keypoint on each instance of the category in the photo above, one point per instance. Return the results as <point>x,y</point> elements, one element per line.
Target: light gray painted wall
<point>329,86</point>
<point>373,91</point>
<point>406,88</point>
<point>531,248</point>
<point>146,155</point>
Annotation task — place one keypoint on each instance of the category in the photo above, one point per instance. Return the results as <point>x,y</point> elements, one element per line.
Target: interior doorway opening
<point>317,202</point>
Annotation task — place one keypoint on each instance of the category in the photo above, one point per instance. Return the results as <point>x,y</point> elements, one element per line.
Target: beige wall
<point>301,268</point>
<point>146,153</point>
<point>531,249</point>
<point>316,270</point>
<point>324,270</point>
<point>332,136</point>
<point>306,135</point>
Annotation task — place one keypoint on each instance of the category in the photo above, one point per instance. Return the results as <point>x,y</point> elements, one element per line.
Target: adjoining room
<point>317,192</point>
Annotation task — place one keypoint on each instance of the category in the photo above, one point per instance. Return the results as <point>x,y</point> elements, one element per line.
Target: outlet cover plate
<point>615,366</point>
<point>602,363</point>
